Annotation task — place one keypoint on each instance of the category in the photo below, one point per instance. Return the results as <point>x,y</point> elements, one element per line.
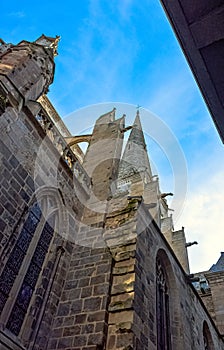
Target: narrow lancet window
<point>162,305</point>
<point>207,339</point>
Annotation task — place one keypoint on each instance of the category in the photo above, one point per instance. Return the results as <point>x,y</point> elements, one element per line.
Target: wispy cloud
<point>101,58</point>
<point>125,9</point>
<point>17,14</point>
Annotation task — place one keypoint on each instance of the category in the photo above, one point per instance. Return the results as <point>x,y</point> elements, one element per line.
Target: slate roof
<point>219,266</point>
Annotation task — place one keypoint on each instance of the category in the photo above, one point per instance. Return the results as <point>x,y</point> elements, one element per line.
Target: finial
<point>137,108</point>
<point>55,44</point>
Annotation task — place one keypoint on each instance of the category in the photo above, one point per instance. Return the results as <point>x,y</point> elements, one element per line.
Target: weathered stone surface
<point>121,302</point>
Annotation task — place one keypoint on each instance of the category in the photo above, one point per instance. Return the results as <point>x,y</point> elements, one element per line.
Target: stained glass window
<point>36,210</point>
<point>46,235</point>
<point>16,319</point>
<point>39,255</point>
<point>24,240</point>
<point>162,308</point>
<point>31,223</point>
<point>24,296</point>
<point>15,261</point>
<point>32,274</point>
<point>3,299</point>
<point>21,305</point>
<point>18,253</point>
<point>7,279</point>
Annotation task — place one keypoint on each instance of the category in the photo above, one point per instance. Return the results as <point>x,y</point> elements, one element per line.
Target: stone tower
<point>89,256</point>
<point>26,70</point>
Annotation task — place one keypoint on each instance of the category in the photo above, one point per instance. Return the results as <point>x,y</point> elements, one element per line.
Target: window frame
<point>48,210</point>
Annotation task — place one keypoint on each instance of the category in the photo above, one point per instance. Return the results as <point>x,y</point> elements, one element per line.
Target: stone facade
<point>210,288</point>
<point>89,256</point>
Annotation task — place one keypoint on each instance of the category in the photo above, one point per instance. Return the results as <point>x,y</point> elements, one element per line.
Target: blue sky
<point>123,53</point>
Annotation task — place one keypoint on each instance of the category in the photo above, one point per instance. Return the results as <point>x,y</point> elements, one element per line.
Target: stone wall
<point>216,284</point>
<point>210,286</point>
<point>32,169</point>
<point>132,322</point>
<point>81,318</point>
<point>187,312</point>
<point>120,236</point>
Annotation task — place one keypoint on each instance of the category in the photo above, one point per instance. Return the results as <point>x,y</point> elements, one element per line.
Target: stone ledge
<point>8,343</point>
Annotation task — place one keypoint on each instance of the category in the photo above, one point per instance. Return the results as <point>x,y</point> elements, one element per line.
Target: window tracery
<point>28,255</point>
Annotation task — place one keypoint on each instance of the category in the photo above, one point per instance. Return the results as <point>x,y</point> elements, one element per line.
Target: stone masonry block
<point>92,304</point>
<point>120,317</point>
<point>69,331</point>
<point>121,302</point>
<point>123,283</point>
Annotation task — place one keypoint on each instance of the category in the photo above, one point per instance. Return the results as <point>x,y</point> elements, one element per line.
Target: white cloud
<point>99,61</point>
<point>203,220</point>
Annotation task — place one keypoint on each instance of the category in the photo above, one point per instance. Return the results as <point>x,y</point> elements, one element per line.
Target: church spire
<point>136,134</point>
<point>135,157</point>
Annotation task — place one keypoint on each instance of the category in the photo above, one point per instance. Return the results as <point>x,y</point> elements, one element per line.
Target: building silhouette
<point>89,256</point>
<point>199,28</point>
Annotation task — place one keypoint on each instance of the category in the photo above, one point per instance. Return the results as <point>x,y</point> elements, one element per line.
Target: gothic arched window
<point>207,338</point>
<point>162,309</point>
<point>23,268</point>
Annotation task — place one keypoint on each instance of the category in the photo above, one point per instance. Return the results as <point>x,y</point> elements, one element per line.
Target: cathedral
<point>90,259</point>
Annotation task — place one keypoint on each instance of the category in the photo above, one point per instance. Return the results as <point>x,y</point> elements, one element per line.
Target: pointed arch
<point>55,203</point>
